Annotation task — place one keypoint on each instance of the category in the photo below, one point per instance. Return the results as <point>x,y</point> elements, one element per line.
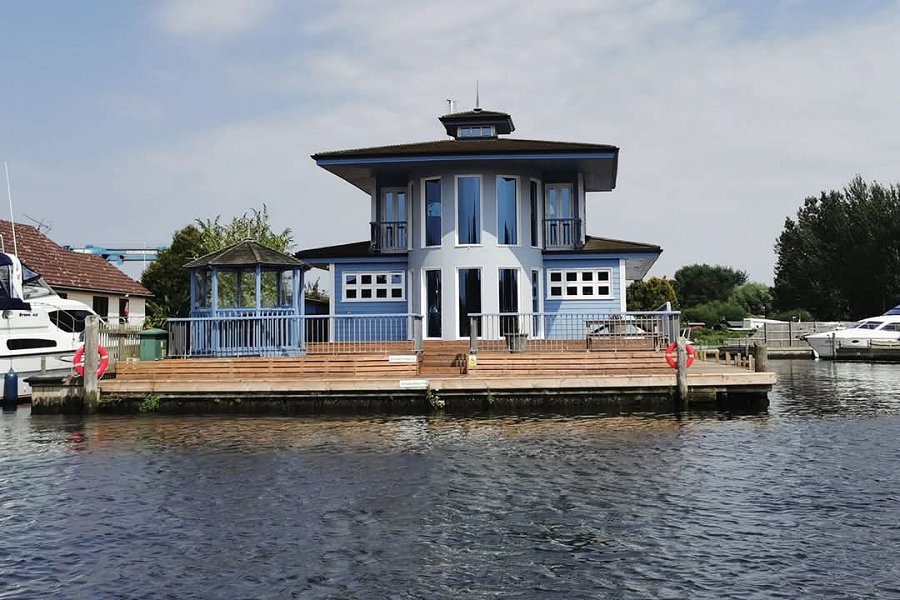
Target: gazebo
<point>247,300</point>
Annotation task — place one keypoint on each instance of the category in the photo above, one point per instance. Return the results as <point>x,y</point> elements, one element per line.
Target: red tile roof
<point>64,269</point>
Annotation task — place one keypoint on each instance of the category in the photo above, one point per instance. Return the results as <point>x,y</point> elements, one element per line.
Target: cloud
<point>213,18</point>
<point>724,127</point>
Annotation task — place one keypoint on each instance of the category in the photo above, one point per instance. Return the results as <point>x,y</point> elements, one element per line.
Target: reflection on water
<point>800,501</point>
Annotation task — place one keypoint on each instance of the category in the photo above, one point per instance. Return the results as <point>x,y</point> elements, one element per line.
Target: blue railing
<point>232,336</point>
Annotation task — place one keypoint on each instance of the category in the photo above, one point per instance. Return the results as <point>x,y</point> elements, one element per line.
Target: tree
<point>650,294</point>
<point>166,277</point>
<point>699,284</point>
<point>713,312</point>
<point>754,297</point>
<point>840,257</point>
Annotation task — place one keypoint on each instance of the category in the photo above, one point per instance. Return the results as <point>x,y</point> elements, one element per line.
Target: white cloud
<point>213,18</point>
<point>722,134</point>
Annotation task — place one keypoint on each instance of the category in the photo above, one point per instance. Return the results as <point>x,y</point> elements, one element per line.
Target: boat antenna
<point>477,100</point>
<point>12,218</point>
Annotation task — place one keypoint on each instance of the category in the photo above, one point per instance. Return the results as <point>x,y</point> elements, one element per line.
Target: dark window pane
<point>555,291</point>
<point>381,279</point>
<point>366,279</point>
<point>433,212</point>
<point>603,290</point>
<point>433,303</point>
<point>572,290</point>
<point>603,276</point>
<point>507,222</point>
<point>587,290</point>
<point>587,276</point>
<point>469,298</point>
<point>397,293</point>
<point>571,276</point>
<point>556,276</point>
<point>533,195</point>
<point>351,294</point>
<point>366,293</point>
<point>381,293</point>
<point>468,210</point>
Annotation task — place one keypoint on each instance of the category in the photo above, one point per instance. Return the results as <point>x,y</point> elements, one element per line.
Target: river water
<point>799,501</point>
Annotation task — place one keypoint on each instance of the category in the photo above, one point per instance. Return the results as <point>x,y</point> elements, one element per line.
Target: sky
<point>122,122</point>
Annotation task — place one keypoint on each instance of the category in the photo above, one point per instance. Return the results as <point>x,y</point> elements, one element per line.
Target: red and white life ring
<point>78,362</point>
<point>672,359</point>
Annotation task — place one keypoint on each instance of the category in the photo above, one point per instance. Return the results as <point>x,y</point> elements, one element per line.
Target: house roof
<point>511,146</point>
<point>592,245</point>
<point>246,253</point>
<point>64,269</point>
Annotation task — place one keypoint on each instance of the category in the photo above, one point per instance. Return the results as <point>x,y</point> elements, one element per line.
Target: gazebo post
<point>299,306</point>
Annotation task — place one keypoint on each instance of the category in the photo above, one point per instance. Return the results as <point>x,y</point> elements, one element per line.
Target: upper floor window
<point>478,131</point>
<point>579,283</point>
<point>507,215</point>
<point>432,212</point>
<point>385,286</point>
<point>389,233</point>
<point>560,224</point>
<point>468,209</point>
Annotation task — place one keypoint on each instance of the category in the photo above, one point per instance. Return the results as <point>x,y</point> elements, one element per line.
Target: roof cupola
<point>477,124</point>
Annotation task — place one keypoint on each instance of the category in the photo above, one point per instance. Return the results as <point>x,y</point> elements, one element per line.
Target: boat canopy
<point>894,312</point>
<point>11,295</point>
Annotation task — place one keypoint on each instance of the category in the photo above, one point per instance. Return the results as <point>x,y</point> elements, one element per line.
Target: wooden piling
<point>90,381</point>
<point>681,372</point>
<point>761,354</point>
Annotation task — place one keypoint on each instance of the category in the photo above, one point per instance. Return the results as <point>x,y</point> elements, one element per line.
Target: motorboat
<point>40,331</point>
<point>875,338</point>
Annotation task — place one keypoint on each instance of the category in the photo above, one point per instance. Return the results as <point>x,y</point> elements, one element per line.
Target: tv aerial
<point>40,224</point>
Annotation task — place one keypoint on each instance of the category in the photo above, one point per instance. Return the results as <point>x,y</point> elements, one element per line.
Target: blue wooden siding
<point>562,327</point>
<point>375,328</point>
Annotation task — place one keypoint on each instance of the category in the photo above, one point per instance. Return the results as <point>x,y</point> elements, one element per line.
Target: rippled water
<point>801,501</point>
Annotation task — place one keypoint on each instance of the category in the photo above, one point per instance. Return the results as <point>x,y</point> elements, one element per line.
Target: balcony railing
<point>389,236</point>
<point>562,234</point>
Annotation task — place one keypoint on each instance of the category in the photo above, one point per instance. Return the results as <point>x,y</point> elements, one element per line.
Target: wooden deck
<point>442,371</point>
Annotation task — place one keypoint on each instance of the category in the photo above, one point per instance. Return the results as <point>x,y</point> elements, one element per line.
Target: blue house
<point>479,230</point>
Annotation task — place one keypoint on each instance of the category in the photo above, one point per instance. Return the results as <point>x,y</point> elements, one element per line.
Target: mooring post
<point>761,356</point>
<point>90,381</point>
<point>417,334</point>
<point>681,371</point>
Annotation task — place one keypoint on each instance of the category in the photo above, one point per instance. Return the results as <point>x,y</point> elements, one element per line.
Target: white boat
<point>39,330</point>
<point>875,338</point>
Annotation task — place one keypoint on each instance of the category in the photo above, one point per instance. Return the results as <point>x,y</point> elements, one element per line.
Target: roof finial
<point>477,101</point>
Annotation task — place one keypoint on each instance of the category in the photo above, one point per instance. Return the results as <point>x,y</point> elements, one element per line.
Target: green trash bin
<point>153,344</point>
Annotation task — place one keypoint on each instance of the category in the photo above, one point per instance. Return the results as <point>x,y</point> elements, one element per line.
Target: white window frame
<point>480,209</point>
<point>475,131</point>
<point>359,286</point>
<point>581,281</point>
<point>425,214</point>
<point>518,202</point>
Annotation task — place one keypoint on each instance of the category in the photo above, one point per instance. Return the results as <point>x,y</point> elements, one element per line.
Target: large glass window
<point>579,283</point>
<point>469,299</point>
<point>535,213</point>
<point>432,212</point>
<point>433,303</point>
<point>509,300</point>
<point>384,286</point>
<point>507,218</point>
<point>535,301</point>
<point>468,209</point>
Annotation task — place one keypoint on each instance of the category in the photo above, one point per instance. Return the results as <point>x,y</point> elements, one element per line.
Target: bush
<point>797,314</point>
<point>713,312</point>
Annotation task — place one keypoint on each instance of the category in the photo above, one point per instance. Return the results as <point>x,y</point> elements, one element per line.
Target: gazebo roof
<point>247,253</point>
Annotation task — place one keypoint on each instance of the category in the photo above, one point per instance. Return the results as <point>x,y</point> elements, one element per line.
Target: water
<point>802,501</point>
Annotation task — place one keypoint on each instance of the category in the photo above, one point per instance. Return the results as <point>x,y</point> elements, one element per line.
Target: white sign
<point>414,384</point>
<point>402,358</point>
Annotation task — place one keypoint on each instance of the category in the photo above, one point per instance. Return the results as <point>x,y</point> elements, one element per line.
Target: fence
<point>784,335</point>
<point>402,333</point>
<point>294,335</point>
<point>559,332</point>
<point>121,341</point>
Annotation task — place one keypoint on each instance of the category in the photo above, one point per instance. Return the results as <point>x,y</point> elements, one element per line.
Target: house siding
<point>360,328</point>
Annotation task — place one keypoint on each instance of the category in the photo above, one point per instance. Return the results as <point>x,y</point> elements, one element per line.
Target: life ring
<point>79,365</point>
<point>672,359</point>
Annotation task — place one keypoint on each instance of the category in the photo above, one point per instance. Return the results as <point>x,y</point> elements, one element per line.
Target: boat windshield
<point>893,312</point>
<point>868,325</point>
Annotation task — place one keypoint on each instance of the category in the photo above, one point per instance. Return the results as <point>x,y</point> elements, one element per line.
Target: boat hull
<point>48,363</point>
<point>835,347</point>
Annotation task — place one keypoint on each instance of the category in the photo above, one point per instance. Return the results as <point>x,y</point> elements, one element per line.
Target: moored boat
<point>874,338</point>
<point>39,330</point>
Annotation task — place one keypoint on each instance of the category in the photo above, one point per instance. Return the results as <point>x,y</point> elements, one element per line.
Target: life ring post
<point>91,378</point>
<point>681,368</point>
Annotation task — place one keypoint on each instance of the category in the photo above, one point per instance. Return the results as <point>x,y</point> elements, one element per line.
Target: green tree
<point>754,297</point>
<point>840,257</point>
<point>650,294</point>
<point>700,284</point>
<point>167,278</point>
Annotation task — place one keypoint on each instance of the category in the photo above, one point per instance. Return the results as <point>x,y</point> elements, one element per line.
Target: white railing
<point>518,332</point>
<point>121,341</point>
